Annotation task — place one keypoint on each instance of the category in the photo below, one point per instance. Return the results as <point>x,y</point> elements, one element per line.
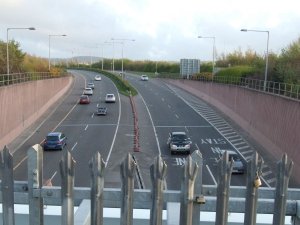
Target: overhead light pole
<point>267,54</point>
<point>7,40</point>
<point>53,35</point>
<point>122,43</point>
<point>214,52</point>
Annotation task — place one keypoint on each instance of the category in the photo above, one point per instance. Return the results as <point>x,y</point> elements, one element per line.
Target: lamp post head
<point>31,28</point>
<point>199,36</point>
<point>244,30</point>
<point>64,35</point>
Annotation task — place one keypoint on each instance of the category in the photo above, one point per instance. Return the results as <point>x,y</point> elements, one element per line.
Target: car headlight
<point>173,146</point>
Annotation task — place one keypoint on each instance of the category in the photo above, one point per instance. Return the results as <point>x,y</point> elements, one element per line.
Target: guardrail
<point>193,196</point>
<point>14,78</point>
<point>291,91</point>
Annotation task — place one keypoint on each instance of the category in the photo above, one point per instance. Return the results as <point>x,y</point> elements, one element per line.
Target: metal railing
<point>15,78</point>
<point>193,196</point>
<point>282,89</point>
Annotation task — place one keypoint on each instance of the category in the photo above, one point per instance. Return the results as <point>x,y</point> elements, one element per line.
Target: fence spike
<point>7,186</point>
<point>225,169</point>
<point>284,171</point>
<point>254,168</point>
<point>187,191</point>
<point>35,181</point>
<point>97,167</point>
<point>158,172</point>
<point>67,164</point>
<point>128,168</point>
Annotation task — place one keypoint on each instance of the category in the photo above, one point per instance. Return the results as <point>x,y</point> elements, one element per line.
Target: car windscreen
<point>179,137</point>
<point>52,138</point>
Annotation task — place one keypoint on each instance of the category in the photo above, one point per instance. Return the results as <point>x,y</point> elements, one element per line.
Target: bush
<point>234,74</point>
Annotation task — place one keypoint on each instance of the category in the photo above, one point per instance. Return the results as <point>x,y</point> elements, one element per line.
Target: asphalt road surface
<point>161,108</point>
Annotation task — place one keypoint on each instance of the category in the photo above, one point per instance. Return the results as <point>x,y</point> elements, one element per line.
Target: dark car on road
<point>101,111</point>
<point>238,165</point>
<point>179,142</point>
<point>55,141</point>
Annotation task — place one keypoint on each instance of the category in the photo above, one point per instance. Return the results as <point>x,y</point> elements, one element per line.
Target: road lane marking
<point>93,115</point>
<point>200,126</point>
<point>212,176</point>
<point>185,127</point>
<point>86,127</point>
<point>73,146</point>
<point>176,116</point>
<point>155,133</point>
<point>163,99</point>
<point>169,106</point>
<point>117,128</point>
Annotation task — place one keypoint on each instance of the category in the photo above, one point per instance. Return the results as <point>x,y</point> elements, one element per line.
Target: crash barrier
<point>193,196</point>
<point>136,140</point>
<point>15,78</point>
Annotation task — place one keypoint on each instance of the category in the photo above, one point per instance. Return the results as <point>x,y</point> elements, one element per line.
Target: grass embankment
<point>123,86</point>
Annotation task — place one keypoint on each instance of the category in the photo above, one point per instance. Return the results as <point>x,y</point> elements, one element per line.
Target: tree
<point>287,68</point>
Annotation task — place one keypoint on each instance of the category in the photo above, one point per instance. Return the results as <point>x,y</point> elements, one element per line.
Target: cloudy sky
<point>162,29</point>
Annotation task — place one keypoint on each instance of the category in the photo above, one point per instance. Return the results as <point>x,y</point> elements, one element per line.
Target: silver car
<point>88,91</point>
<point>110,98</point>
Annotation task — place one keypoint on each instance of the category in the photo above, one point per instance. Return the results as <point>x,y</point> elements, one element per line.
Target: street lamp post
<point>214,42</point>
<point>267,54</point>
<point>53,35</point>
<point>7,52</point>
<point>122,43</point>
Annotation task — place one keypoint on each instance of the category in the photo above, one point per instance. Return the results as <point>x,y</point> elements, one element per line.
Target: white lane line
<point>117,128</point>
<point>187,130</point>
<point>155,133</point>
<point>73,146</point>
<point>54,174</point>
<point>97,105</point>
<point>169,106</point>
<point>176,116</point>
<point>197,147</point>
<point>212,176</point>
<point>163,99</point>
<point>93,115</point>
<point>43,123</point>
<point>86,127</point>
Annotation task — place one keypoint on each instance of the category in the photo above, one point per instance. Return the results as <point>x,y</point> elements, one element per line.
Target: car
<point>101,111</point>
<point>97,77</point>
<point>144,77</point>
<point>110,98</point>
<point>88,91</point>
<point>55,141</point>
<point>238,165</point>
<point>179,142</point>
<point>91,85</point>
<point>84,99</point>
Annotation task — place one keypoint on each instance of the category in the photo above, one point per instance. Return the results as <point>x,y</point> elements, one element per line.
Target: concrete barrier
<point>273,121</point>
<point>22,104</point>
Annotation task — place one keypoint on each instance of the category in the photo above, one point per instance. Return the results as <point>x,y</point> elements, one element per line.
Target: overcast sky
<point>162,29</point>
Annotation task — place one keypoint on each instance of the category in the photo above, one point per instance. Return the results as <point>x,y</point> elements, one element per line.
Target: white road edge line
<point>73,146</point>
<point>86,127</point>
<point>212,176</point>
<point>43,123</point>
<point>117,128</point>
<point>157,142</point>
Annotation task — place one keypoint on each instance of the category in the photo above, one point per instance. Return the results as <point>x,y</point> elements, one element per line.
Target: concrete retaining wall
<point>272,121</point>
<point>22,104</point>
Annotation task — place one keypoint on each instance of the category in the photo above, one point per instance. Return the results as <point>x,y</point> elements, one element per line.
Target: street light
<point>53,35</point>
<point>267,55</point>
<point>122,42</point>
<point>7,53</point>
<point>214,41</point>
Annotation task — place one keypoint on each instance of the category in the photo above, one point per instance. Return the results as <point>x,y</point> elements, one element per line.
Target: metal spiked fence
<point>194,197</point>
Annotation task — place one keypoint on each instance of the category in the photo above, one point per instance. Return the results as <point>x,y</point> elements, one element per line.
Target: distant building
<point>188,67</point>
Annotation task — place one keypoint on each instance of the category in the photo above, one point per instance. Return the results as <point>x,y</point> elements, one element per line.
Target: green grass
<point>123,86</point>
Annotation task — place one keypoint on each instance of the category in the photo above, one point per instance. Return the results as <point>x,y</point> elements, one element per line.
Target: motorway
<point>161,108</point>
